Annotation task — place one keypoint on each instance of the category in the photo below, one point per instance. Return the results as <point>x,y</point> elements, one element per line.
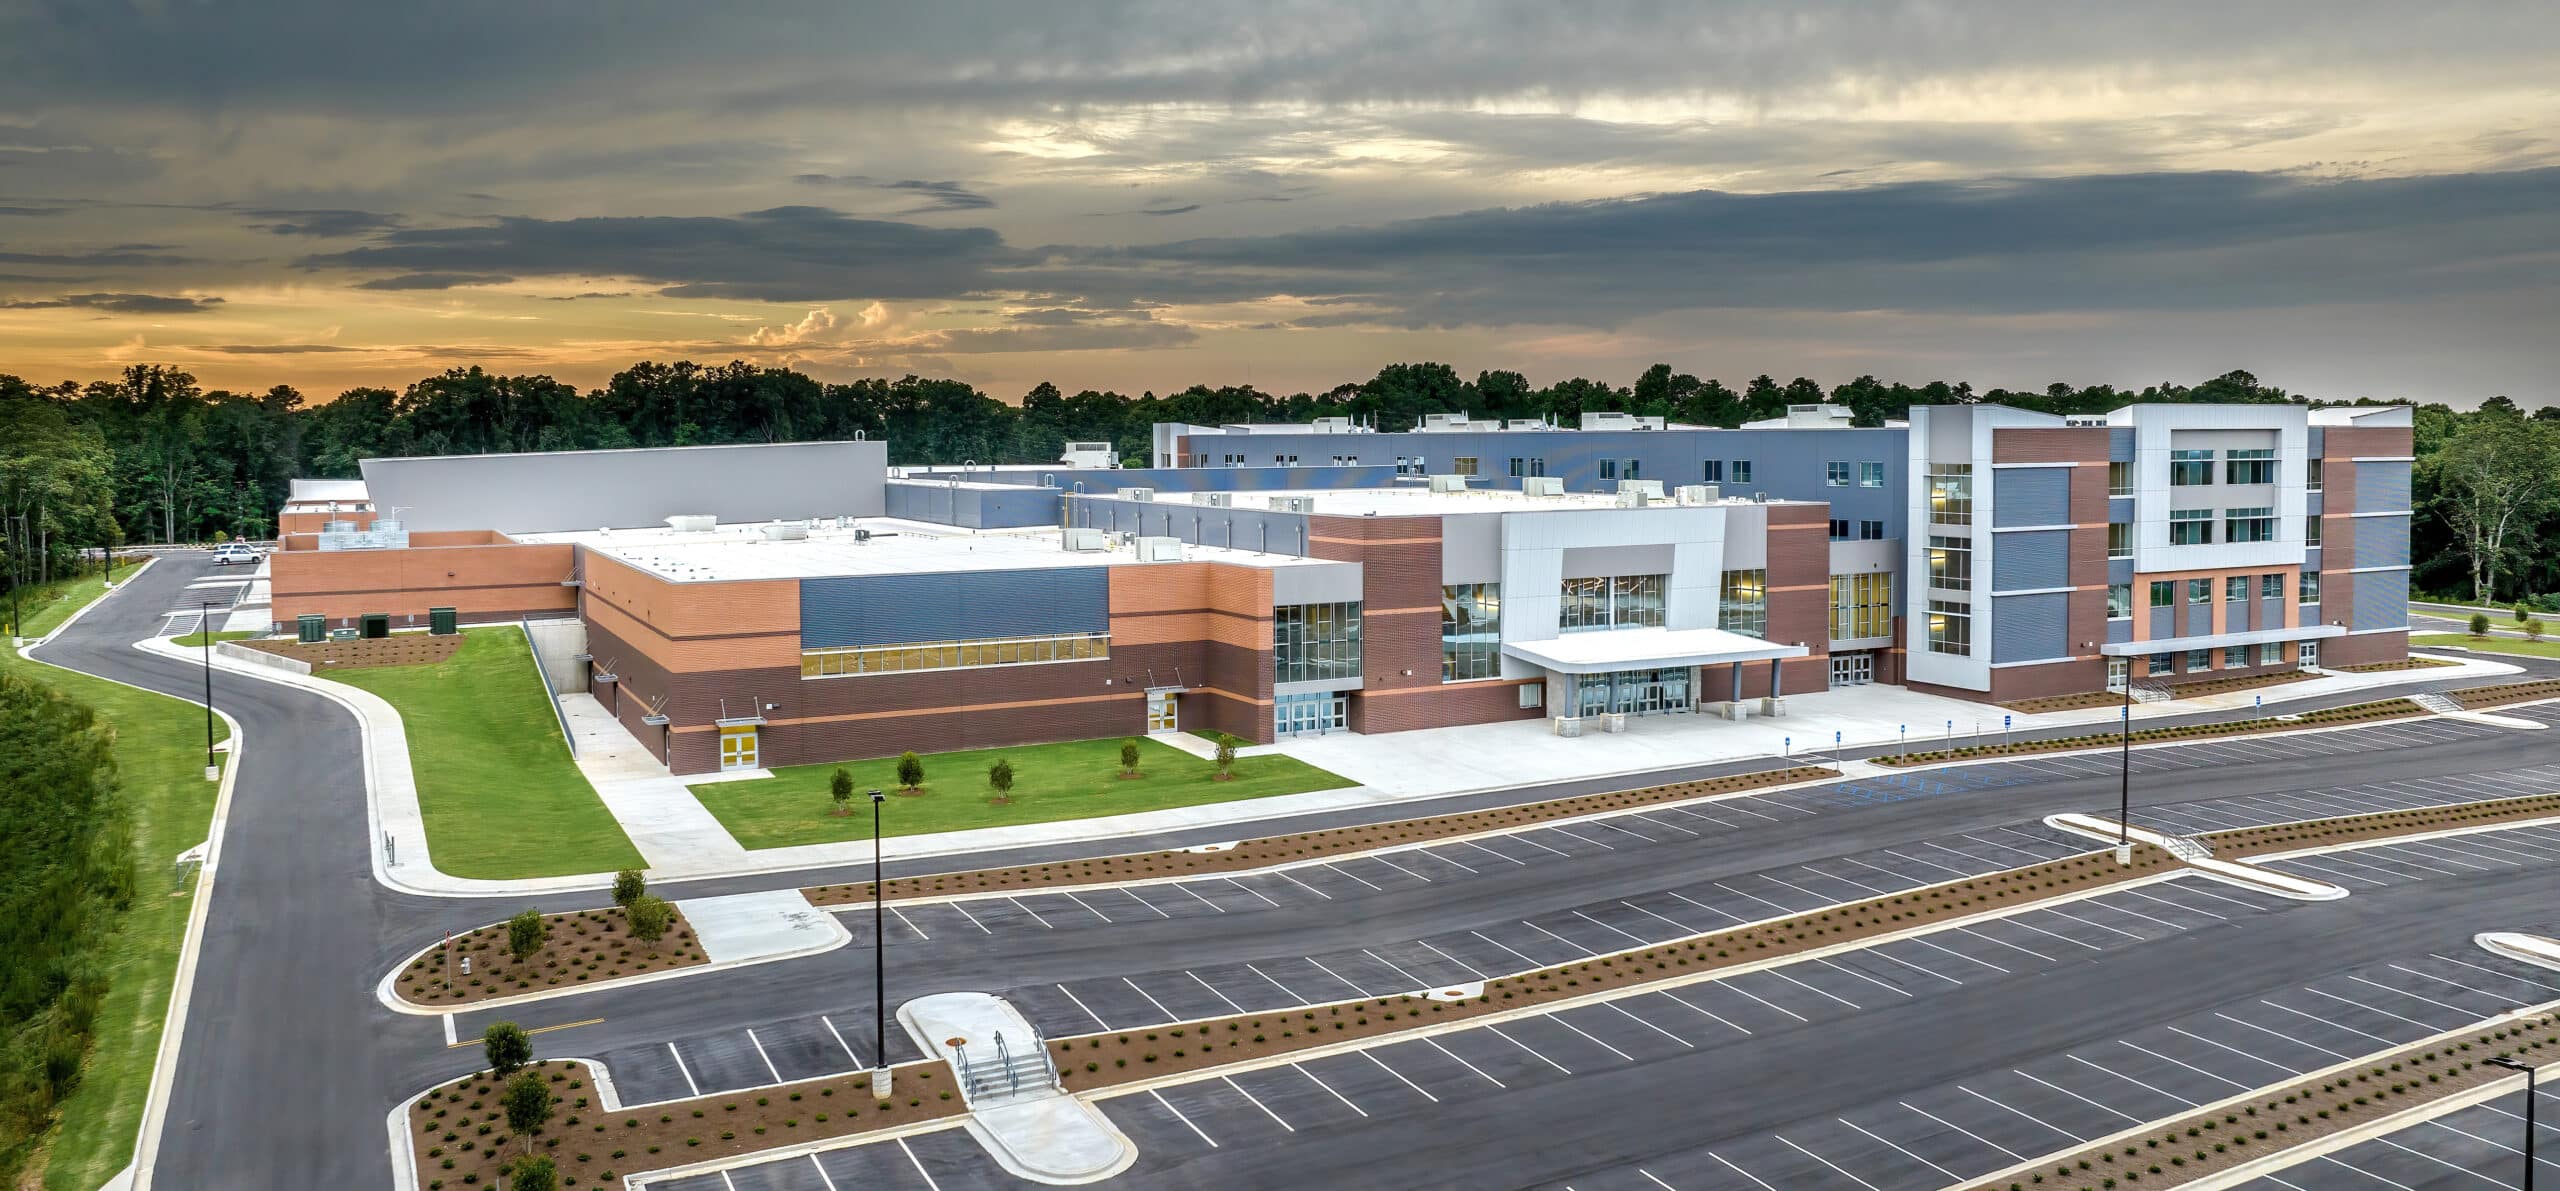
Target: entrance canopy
<point>2304,632</point>
<point>1646,649</point>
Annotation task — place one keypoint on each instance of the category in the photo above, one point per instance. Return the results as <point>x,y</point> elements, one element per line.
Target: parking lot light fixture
<point>879,969</point>
<point>2527,1068</point>
<point>204,630</point>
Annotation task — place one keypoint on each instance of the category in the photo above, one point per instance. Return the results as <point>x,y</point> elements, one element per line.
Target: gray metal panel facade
<point>2378,486</point>
<point>2271,614</point>
<point>2120,444</point>
<point>2030,627</point>
<point>2120,630</point>
<point>2030,561</point>
<point>2162,624</point>
<point>953,606</point>
<point>2031,496</point>
<point>2120,570</point>
<point>2382,542</point>
<point>2119,510</point>
<point>1266,530</point>
<point>565,490</point>
<point>2382,601</point>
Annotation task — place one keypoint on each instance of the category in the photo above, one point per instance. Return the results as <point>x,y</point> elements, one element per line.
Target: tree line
<point>151,456</point>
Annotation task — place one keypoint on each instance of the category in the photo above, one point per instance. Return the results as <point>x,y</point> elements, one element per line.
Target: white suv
<point>229,553</point>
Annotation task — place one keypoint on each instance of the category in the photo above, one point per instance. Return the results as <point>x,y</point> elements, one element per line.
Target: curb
<point>391,1000</point>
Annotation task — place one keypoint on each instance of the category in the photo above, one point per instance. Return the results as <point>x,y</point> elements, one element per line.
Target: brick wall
<point>482,583</point>
<point>1800,587</point>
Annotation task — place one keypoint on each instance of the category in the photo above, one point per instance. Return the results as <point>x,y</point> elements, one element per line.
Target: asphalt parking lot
<point>1504,947</point>
<point>943,1160</point>
<point>219,587</point>
<point>2475,1147</point>
<point>738,1059</point>
<point>2465,855</point>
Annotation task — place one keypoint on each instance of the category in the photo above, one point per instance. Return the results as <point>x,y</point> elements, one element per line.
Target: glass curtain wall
<point>1315,642</point>
<point>1470,632</point>
<point>1612,602</point>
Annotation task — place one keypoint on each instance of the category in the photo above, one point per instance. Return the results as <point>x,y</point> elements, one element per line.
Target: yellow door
<point>1161,715</point>
<point>738,747</point>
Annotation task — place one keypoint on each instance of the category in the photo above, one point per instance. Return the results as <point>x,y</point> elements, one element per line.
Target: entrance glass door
<point>2308,657</point>
<point>738,748</point>
<point>1852,669</point>
<point>1162,713</point>
<point>2119,674</point>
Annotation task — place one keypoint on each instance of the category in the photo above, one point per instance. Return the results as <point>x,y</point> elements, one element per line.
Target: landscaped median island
<point>580,947</point>
<point>2408,663</point>
<point>2475,698</point>
<point>460,1136</point>
<point>2276,1119</point>
<point>2184,690</point>
<point>500,796</point>
<point>1312,845</point>
<point>2322,833</point>
<point>2472,698</point>
<point>1079,779</point>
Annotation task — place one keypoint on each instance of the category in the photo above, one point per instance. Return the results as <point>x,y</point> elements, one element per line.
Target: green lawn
<point>501,797</point>
<point>195,640</point>
<point>2515,645</point>
<point>160,758</point>
<point>1076,780</point>
<point>47,605</point>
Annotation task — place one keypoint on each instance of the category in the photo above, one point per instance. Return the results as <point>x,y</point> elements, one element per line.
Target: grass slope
<point>47,605</point>
<point>2514,645</point>
<point>501,797</point>
<point>161,762</point>
<point>1075,780</point>
<point>195,640</point>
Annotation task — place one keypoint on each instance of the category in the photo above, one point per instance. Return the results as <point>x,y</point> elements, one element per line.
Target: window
<point>2249,525</point>
<point>1636,601</point>
<point>2310,588</point>
<point>2119,539</point>
<point>1608,469</point>
<point>1315,642</point>
<point>2311,475</point>
<point>2234,656</point>
<point>1533,694</point>
<point>2190,468</point>
<point>1711,471</point>
<point>2311,530</point>
<point>2164,593</point>
<point>1871,475</point>
<point>1742,471</point>
<point>1951,493</point>
<point>1631,469</point>
<point>1951,563</point>
<point>1871,531</point>
<point>951,655</point>
<point>1463,465</point>
<point>2199,591</point>
<point>1231,460</point>
<point>1593,603</point>
<point>2271,587</point>
<point>1519,466</point>
<point>1836,473</point>
<point>1284,461</point>
<point>2119,601</point>
<point>1346,461</point>
<point>1951,628</point>
<point>1470,632</point>
<point>1839,529</point>
<point>2249,467</point>
<point>1742,606</point>
<point>1583,605</point>
<point>1313,711</point>
<point>2270,653</point>
<point>2159,663</point>
<point>2199,659</point>
<point>1862,605</point>
<point>2190,527</point>
<point>2235,589</point>
<point>2120,478</point>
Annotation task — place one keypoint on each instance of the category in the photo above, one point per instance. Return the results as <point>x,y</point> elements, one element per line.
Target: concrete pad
<point>665,821</point>
<point>746,926</point>
<point>2246,876</point>
<point>1045,1136</point>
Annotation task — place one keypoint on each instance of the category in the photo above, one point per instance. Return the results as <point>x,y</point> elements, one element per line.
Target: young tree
<point>2523,613</point>
<point>1129,757</point>
<point>2533,628</point>
<point>840,792</point>
<point>525,933</point>
<point>527,1101</point>
<point>628,885</point>
<point>1000,779</point>
<point>536,1172</point>
<point>649,917</point>
<point>2479,624</point>
<point>1226,757</point>
<point>910,771</point>
<point>507,1046</point>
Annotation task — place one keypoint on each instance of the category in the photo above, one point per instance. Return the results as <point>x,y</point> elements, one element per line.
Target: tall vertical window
<point>1742,471</point>
<point>1711,471</point>
<point>1862,605</point>
<point>2158,664</point>
<point>2199,591</point>
<point>1583,604</point>
<point>2235,589</point>
<point>1871,475</point>
<point>2249,467</point>
<point>1470,632</point>
<point>2190,527</point>
<point>1743,603</point>
<point>2120,539</point>
<point>2190,468</point>
<point>2271,587</point>
<point>1608,469</point>
<point>1836,473</point>
<point>2311,530</point>
<point>2164,593</point>
<point>1315,642</point>
<point>2270,652</point>
<point>1951,493</point>
<point>2120,478</point>
<point>1839,529</point>
<point>2310,588</point>
<point>2119,601</point>
<point>1951,563</point>
<point>1631,469</point>
<point>2311,475</point>
<point>2249,525</point>
<point>1519,466</point>
<point>1951,628</point>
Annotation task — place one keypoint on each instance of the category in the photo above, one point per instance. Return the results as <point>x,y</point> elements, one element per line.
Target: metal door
<point>737,748</point>
<point>1162,713</point>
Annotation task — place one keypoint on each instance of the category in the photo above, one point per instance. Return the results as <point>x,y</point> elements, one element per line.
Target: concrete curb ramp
<point>2245,876</point>
<point>1046,1136</point>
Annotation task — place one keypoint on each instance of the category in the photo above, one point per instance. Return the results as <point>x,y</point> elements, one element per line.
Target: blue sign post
<point>2004,733</point>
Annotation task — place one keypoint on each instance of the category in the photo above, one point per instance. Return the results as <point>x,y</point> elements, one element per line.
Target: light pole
<point>2527,1068</point>
<point>204,631</point>
<point>879,969</point>
<point>2124,770</point>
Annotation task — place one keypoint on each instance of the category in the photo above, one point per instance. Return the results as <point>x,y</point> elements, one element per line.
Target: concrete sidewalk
<point>665,821</point>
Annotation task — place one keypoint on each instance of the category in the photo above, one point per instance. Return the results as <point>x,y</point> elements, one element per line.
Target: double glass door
<point>1633,692</point>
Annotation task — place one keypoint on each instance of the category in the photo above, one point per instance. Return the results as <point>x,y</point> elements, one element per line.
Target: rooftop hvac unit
<point>1651,488</point>
<point>1219,500</point>
<point>1159,550</point>
<point>1698,494</point>
<point>2087,420</point>
<point>785,531</point>
<point>693,523</point>
<point>1542,485</point>
<point>1632,498</point>
<point>1085,541</point>
<point>1448,483</point>
<point>1137,494</point>
<point>1759,498</point>
<point>1294,504</point>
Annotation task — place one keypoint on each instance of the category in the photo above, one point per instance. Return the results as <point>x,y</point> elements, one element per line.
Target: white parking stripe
<point>1497,1031</point>
<point>2075,1095</point>
<point>1399,968</point>
<point>1755,1179</point>
<point>2254,1058</point>
<point>1185,886</point>
<point>1266,1109</point>
<point>2251,1025</point>
<point>2415,997</point>
<point>1807,868</point>
<point>1622,830</point>
<point>2457,984</point>
<point>1943,1123</point>
<point>1682,927</point>
<point>1785,910</point>
<point>901,916</point>
<point>1809,988</point>
<point>1435,1045</point>
<point>1276,984</point>
<point>1035,914</point>
<point>1088,1010</point>
<point>2131,1080</point>
<point>1709,1012</point>
<point>1862,976</point>
<point>687,1072</point>
<point>2005,943</point>
<point>973,919</point>
<point>1649,1025</point>
<point>2022,1115</point>
<point>1213,990</point>
<point>1659,823</point>
<point>1283,875</point>
<point>2183,1063</point>
<point>1879,953</point>
<point>1346,983</point>
<point>1498,943</point>
<point>1177,1115</point>
<point>2330,872</point>
<point>1931,863</point>
<point>1402,869</point>
<point>768,1059</point>
<point>1169,1015</point>
<point>822,1172</point>
<point>2427,1026</point>
<point>1585,1033</point>
<point>1569,835</point>
<point>1346,1100</point>
<point>1250,889</point>
<point>2103,926</point>
<point>1088,907</point>
<point>1382,1066</point>
<point>2441,1162</point>
<point>1704,906</point>
<point>1898,1149</point>
<point>2021,922</point>
<point>2174,905</point>
<point>1655,1181</point>
<point>848,1047</point>
<point>1470,968</point>
<point>1826,1162</point>
<point>1354,876</point>
<point>1962,956</point>
<point>1496,855</point>
<point>1639,939</point>
<point>1133,896</point>
<point>1763,1000</point>
<point>2338,1024</point>
<point>2494,972</point>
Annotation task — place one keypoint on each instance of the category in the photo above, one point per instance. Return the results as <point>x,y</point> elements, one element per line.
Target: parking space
<point>2470,855</point>
<point>2288,806</point>
<point>2479,1146</point>
<point>187,608</point>
<point>731,1060</point>
<point>943,1160</point>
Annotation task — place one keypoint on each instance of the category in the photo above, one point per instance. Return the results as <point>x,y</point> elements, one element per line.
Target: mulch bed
<point>2183,690</point>
<point>2289,1115</point>
<point>1091,1061</point>
<point>2288,837</point>
<point>2513,692</point>
<point>582,947</point>
<point>1282,849</point>
<point>398,649</point>
<point>459,1133</point>
<point>2402,664</point>
<point>2354,713</point>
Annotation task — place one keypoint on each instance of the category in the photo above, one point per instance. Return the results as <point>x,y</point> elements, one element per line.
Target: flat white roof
<point>2303,632</point>
<point>1645,649</point>
<point>325,490</point>
<point>1417,501</point>
<point>895,547</point>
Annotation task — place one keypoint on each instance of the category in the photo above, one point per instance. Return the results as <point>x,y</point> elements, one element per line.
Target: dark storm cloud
<point>936,196</point>
<point>408,281</point>
<point>325,222</point>
<point>117,304</point>
<point>785,254</point>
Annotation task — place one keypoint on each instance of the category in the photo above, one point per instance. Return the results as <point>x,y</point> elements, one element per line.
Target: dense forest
<point>151,456</point>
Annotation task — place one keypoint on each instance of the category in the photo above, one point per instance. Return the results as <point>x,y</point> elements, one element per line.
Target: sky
<point>2346,198</point>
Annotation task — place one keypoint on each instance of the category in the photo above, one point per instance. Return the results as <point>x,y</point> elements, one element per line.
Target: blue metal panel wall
<point>2120,630</point>
<point>2030,627</point>
<point>2382,542</point>
<point>2163,622</point>
<point>1014,510</point>
<point>2381,486</point>
<point>1241,528</point>
<point>2031,496</point>
<point>2120,444</point>
<point>2382,600</point>
<point>2311,559</point>
<point>2030,561</point>
<point>2313,503</point>
<point>890,609</point>
<point>2120,570</point>
<point>2318,443</point>
<point>2271,614</point>
<point>2119,510</point>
